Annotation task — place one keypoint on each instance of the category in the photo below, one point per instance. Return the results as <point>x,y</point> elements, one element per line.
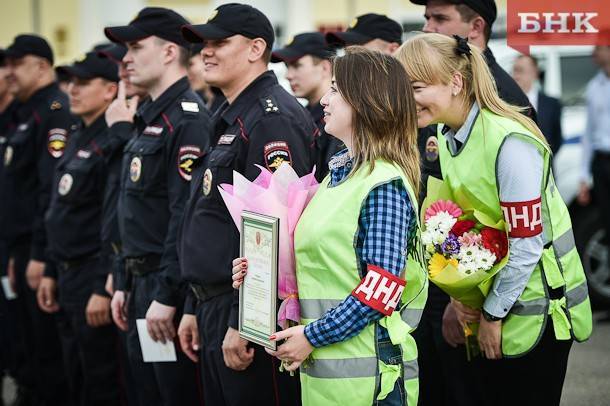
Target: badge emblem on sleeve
<point>432,148</point>
<point>276,153</point>
<point>207,182</point>
<point>65,184</point>
<point>186,156</point>
<point>8,155</point>
<point>135,169</point>
<point>56,142</point>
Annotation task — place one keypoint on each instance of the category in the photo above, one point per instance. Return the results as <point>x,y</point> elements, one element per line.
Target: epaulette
<point>55,105</point>
<point>190,107</point>
<point>269,105</point>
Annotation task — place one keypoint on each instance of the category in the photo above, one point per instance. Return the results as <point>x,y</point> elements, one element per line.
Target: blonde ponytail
<point>432,58</point>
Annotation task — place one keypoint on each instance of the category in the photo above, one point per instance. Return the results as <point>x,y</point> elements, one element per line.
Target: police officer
<point>31,152</point>
<point>376,32</point>
<point>446,376</point>
<point>261,124</point>
<point>78,253</point>
<point>307,57</point>
<point>171,131</point>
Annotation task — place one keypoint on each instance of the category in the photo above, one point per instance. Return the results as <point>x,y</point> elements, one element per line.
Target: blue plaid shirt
<point>385,228</point>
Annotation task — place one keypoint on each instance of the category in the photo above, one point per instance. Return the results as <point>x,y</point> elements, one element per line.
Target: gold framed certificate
<point>258,294</point>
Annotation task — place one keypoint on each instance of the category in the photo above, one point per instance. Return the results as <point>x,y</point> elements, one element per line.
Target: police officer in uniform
<point>80,257</point>
<point>446,377</point>
<point>309,73</point>
<point>32,150</point>
<point>261,124</point>
<point>376,32</point>
<point>171,131</point>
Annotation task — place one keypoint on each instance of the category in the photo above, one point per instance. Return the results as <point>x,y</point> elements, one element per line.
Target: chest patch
<point>154,130</point>
<point>65,184</point>
<point>56,142</point>
<point>83,154</point>
<point>135,169</point>
<point>226,139</point>
<point>186,156</point>
<point>207,182</point>
<point>8,155</point>
<point>191,107</point>
<point>22,127</point>
<point>432,148</point>
<point>276,153</point>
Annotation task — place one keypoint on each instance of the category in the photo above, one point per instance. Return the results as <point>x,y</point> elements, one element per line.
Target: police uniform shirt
<point>7,124</point>
<point>75,214</point>
<point>32,150</point>
<point>325,145</point>
<point>171,133</point>
<point>264,126</point>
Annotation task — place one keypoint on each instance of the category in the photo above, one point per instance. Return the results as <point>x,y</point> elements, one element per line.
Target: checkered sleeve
<point>386,220</point>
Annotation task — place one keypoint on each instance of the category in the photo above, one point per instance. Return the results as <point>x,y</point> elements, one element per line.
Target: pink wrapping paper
<point>284,195</point>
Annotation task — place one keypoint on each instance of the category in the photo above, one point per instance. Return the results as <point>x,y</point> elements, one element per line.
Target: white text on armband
<point>380,290</point>
<point>523,219</point>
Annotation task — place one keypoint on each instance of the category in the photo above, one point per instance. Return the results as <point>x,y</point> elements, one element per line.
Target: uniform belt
<point>140,266</point>
<point>209,291</point>
<point>75,263</point>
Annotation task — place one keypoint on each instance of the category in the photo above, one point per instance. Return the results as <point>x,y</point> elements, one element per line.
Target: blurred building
<point>73,26</point>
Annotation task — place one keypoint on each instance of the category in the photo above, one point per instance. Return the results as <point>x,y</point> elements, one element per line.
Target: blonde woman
<point>498,161</point>
<point>355,246</point>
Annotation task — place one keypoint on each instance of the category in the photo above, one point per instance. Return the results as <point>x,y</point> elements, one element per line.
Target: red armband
<point>523,219</point>
<point>380,290</point>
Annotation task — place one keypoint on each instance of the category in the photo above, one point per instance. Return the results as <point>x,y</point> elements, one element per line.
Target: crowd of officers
<point>111,211</point>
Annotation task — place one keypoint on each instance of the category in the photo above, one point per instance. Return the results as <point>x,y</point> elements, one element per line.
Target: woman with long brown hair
<point>497,162</point>
<point>356,245</point>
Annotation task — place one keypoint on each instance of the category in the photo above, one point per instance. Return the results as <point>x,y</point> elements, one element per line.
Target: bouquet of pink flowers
<point>284,195</point>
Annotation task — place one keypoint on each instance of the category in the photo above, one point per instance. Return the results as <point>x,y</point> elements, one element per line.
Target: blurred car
<point>566,70</point>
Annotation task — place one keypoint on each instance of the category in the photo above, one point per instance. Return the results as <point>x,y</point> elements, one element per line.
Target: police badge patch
<point>8,155</point>
<point>186,156</point>
<point>65,184</point>
<point>135,169</point>
<point>56,142</point>
<point>432,148</point>
<point>207,182</point>
<point>276,153</point>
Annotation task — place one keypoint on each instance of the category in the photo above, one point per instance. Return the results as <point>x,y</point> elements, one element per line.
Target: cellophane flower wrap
<point>464,247</point>
<point>282,194</point>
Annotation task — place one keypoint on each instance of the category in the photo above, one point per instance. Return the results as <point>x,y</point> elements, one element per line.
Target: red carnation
<point>462,226</point>
<point>495,241</point>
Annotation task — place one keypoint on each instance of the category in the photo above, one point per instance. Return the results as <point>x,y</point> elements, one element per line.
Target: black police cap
<point>158,21</point>
<point>2,57</point>
<point>92,66</point>
<point>231,19</point>
<point>365,28</point>
<point>309,43</point>
<point>485,8</point>
<point>195,49</point>
<point>114,52</point>
<point>30,44</point>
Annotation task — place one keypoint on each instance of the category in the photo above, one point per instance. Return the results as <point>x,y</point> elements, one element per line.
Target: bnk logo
<point>557,22</point>
<point>561,22</point>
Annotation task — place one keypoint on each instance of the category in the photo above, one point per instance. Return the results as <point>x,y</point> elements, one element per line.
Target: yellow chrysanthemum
<point>438,263</point>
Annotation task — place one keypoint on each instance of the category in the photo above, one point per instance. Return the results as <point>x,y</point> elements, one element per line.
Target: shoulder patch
<point>187,154</point>
<point>56,105</point>
<point>432,148</point>
<point>269,105</point>
<point>56,141</point>
<point>276,153</point>
<point>191,107</point>
<point>226,139</point>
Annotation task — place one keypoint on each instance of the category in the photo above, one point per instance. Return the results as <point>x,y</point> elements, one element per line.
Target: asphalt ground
<point>587,380</point>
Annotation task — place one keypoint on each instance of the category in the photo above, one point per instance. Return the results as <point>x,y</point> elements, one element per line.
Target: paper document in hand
<point>154,351</point>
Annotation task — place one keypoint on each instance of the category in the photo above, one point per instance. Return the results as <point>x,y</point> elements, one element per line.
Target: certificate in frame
<point>259,243</point>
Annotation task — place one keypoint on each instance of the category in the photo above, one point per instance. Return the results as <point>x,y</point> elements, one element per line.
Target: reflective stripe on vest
<point>353,368</point>
<point>313,309</point>
<point>574,297</point>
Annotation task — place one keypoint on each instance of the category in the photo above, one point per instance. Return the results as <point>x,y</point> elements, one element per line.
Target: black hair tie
<point>462,47</point>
